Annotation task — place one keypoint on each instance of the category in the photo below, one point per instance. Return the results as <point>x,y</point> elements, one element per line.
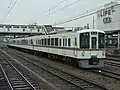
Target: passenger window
<point>69,42</point>
<point>52,41</point>
<point>66,42</point>
<point>42,41</point>
<point>59,42</point>
<point>48,41</point>
<point>31,41</point>
<point>45,41</point>
<point>63,42</point>
<point>56,41</point>
<point>75,41</point>
<point>36,42</point>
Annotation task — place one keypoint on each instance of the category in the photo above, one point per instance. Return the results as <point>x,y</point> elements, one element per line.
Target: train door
<point>94,43</point>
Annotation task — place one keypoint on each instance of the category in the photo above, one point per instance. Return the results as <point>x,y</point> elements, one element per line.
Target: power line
<point>78,16</point>
<point>85,13</point>
<point>12,7</point>
<point>9,10</point>
<point>10,3</point>
<point>82,16</point>
<point>65,7</point>
<point>75,18</point>
<point>57,4</point>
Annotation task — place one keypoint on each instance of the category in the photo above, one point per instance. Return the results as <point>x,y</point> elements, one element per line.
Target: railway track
<point>107,71</point>
<point>80,82</point>
<point>4,85</point>
<point>113,59</point>
<point>112,63</point>
<point>14,78</point>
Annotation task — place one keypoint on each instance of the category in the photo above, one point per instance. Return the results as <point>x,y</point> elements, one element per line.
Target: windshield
<point>84,40</point>
<point>101,38</point>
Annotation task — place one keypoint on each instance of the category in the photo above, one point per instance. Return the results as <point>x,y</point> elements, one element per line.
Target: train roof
<point>90,30</point>
<point>80,31</point>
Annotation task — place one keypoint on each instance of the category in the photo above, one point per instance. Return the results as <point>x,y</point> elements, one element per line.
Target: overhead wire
<point>10,3</point>
<point>12,7</point>
<point>64,7</point>
<point>74,18</point>
<point>54,6</point>
<point>88,11</point>
<point>9,9</point>
<point>86,14</point>
<point>57,4</point>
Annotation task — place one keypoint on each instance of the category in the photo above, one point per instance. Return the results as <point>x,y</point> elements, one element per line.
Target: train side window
<point>69,42</point>
<point>38,42</point>
<point>52,41</point>
<point>16,27</point>
<point>56,41</point>
<point>66,42</point>
<point>35,41</point>
<point>41,42</point>
<point>75,41</point>
<point>44,41</point>
<point>63,42</point>
<point>31,41</point>
<point>48,41</point>
<point>59,42</point>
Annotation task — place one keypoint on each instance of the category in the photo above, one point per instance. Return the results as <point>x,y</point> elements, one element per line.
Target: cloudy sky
<point>30,11</point>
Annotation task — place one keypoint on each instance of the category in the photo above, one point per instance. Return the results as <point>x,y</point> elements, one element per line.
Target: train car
<point>84,48</point>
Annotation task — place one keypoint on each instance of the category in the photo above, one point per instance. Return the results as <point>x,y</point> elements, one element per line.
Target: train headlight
<point>83,53</point>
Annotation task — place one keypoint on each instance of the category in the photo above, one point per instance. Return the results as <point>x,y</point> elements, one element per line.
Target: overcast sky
<point>30,11</point>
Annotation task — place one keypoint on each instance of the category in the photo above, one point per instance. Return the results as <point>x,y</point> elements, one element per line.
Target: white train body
<point>84,46</point>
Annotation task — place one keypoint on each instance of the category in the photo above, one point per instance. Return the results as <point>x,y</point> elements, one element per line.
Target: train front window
<point>85,40</point>
<point>101,40</point>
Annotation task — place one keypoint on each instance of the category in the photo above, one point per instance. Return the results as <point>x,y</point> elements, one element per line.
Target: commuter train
<point>83,48</point>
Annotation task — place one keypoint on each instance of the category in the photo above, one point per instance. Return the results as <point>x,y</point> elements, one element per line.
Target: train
<point>83,48</point>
